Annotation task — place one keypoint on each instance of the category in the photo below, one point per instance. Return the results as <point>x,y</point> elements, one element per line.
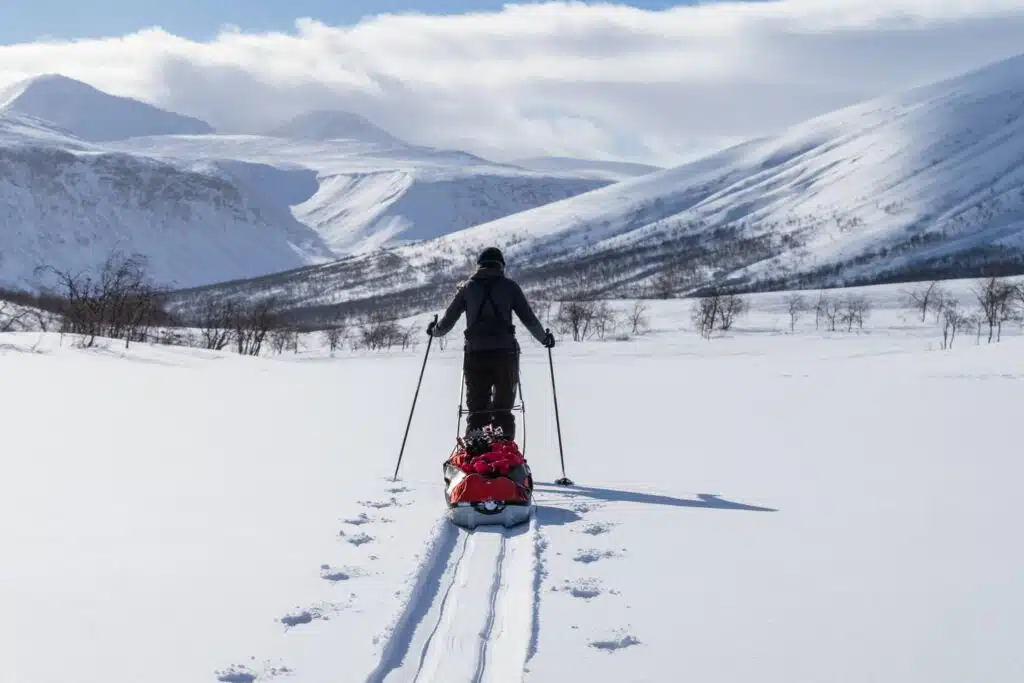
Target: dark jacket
<point>488,299</point>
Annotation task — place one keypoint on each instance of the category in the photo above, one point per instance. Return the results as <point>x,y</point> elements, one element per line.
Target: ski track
<point>471,620</point>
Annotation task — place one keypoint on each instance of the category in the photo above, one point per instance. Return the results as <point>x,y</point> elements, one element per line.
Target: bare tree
<point>251,324</point>
<point>379,331</point>
<point>215,322</point>
<point>954,320</point>
<point>407,336</point>
<point>638,317</point>
<point>854,310</point>
<point>335,337</point>
<point>284,338</point>
<point>829,310</point>
<point>820,307</point>
<point>924,298</point>
<point>730,308</point>
<point>795,305</point>
<point>606,320</point>
<point>575,317</point>
<point>705,315</point>
<point>118,302</point>
<point>12,316</point>
<point>997,301</point>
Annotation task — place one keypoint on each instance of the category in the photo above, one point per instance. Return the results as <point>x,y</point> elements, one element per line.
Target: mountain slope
<point>929,182</point>
<point>609,170</point>
<point>323,125</point>
<point>70,206</point>
<point>92,114</point>
<point>371,195</point>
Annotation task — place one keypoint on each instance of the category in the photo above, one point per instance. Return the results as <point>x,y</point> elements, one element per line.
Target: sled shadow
<point>704,500</point>
<point>552,516</point>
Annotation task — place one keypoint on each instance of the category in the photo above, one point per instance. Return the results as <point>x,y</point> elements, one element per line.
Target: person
<point>491,352</point>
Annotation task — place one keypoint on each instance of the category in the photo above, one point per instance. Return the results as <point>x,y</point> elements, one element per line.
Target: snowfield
<point>762,506</point>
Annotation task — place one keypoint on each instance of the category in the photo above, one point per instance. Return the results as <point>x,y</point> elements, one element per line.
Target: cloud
<point>595,80</point>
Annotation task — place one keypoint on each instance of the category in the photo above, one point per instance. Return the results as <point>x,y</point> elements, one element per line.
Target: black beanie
<point>490,256</point>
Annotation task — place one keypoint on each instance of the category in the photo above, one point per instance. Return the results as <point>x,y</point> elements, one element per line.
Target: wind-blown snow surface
<point>766,506</point>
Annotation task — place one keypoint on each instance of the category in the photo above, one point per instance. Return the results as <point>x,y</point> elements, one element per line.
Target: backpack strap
<point>487,298</point>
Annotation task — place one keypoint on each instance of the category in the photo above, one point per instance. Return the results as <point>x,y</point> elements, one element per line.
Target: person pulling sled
<point>491,353</point>
<point>487,479</point>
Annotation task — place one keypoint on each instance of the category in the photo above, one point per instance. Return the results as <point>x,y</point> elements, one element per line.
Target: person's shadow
<point>703,500</point>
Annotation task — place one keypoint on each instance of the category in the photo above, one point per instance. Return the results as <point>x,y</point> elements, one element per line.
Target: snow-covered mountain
<point>609,170</point>
<point>68,204</point>
<point>928,182</point>
<point>371,195</point>
<point>83,167</point>
<point>92,114</point>
<point>326,125</point>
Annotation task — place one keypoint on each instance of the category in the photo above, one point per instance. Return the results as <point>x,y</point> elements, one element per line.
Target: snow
<point>610,170</point>
<point>70,208</point>
<point>374,194</point>
<point>870,191</point>
<point>759,506</point>
<point>333,125</point>
<point>92,114</point>
<point>324,185</point>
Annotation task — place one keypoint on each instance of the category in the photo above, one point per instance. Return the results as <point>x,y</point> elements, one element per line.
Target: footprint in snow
<point>597,528</point>
<point>335,574</point>
<point>594,555</point>
<point>380,504</point>
<point>236,674</point>
<point>307,616</point>
<point>357,539</point>
<point>583,508</point>
<point>359,520</point>
<point>243,674</point>
<point>398,489</point>
<point>585,589</point>
<point>615,644</point>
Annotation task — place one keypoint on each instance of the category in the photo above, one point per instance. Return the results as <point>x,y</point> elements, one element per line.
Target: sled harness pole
<point>564,481</point>
<point>414,397</point>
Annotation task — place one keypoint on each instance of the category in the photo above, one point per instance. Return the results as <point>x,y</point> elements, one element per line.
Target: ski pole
<point>414,397</point>
<point>564,481</point>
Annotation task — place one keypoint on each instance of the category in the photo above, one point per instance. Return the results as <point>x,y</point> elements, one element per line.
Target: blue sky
<point>200,19</point>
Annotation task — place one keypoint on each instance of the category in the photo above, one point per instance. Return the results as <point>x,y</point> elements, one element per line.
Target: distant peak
<point>334,124</point>
<point>91,113</point>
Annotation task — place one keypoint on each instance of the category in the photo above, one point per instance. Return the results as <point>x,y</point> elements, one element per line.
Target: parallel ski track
<point>472,617</point>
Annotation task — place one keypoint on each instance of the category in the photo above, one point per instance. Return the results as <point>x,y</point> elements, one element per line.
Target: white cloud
<point>560,78</point>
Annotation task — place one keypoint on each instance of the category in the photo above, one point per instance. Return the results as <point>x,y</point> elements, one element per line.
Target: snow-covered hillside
<point>929,177</point>
<point>79,180</point>
<point>609,170</point>
<point>766,506</point>
<point>374,194</point>
<point>92,114</point>
<point>927,182</point>
<point>326,125</point>
<point>68,204</point>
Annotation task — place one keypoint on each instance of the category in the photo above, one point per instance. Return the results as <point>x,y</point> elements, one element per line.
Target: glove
<point>549,341</point>
<point>430,328</point>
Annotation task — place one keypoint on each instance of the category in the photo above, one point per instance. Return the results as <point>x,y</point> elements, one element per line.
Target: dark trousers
<point>491,381</point>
